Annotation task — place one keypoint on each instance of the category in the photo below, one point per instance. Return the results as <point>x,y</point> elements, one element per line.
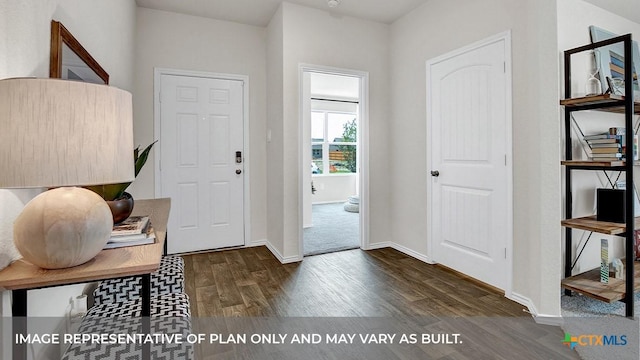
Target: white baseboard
<point>282,259</point>
<point>402,249</point>
<point>254,243</point>
<point>380,245</point>
<point>553,320</point>
<point>328,202</point>
<point>543,319</point>
<point>412,253</point>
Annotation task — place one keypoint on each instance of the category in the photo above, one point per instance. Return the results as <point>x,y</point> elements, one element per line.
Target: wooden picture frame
<point>70,60</point>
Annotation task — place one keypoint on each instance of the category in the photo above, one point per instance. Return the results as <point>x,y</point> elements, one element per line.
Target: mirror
<point>70,60</point>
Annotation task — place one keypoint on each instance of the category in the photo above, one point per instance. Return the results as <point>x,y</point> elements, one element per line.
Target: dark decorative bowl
<point>121,208</point>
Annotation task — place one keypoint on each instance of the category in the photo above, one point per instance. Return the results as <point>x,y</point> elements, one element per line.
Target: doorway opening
<point>333,138</point>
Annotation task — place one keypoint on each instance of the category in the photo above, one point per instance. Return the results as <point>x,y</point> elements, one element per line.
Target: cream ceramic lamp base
<point>63,227</point>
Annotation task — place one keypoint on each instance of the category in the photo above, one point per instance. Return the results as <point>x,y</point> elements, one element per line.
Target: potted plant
<point>120,201</point>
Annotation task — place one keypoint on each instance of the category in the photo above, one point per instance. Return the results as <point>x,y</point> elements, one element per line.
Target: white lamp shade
<point>60,133</point>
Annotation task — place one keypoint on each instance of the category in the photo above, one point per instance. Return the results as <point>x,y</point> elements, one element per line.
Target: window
<point>334,140</point>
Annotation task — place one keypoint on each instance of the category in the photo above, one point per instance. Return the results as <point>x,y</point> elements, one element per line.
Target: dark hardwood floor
<point>368,284</point>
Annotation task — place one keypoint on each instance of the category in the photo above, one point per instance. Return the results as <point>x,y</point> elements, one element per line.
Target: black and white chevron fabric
<point>168,279</point>
<point>170,316</point>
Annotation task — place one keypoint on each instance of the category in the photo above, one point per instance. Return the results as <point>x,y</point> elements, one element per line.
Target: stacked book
<point>607,146</point>
<point>136,230</point>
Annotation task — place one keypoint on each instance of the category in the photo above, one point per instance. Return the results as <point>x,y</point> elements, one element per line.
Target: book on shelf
<point>603,136</point>
<point>148,237</point>
<point>616,156</point>
<point>608,159</point>
<point>606,145</point>
<point>134,225</point>
<point>603,141</point>
<point>606,150</point>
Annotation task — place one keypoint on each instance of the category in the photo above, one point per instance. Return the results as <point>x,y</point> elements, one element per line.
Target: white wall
<point>441,26</point>
<point>171,40</point>
<point>106,29</point>
<point>316,37</point>
<point>333,188</point>
<point>574,19</point>
<point>275,136</point>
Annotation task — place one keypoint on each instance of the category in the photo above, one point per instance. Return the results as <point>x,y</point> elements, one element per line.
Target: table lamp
<point>62,134</point>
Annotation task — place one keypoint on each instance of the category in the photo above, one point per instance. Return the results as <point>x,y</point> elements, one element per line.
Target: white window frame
<point>326,144</point>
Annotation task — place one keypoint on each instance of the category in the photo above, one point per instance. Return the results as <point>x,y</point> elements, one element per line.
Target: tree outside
<point>350,134</point>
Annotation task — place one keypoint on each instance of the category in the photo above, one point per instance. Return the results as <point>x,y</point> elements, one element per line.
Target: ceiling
<point>259,12</point>
<point>629,9</point>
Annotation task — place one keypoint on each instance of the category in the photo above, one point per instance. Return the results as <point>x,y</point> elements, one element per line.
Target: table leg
<point>19,320</point>
<point>164,248</point>
<point>146,313</point>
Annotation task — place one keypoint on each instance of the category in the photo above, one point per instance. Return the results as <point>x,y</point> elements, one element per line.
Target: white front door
<point>201,122</point>
<point>467,115</point>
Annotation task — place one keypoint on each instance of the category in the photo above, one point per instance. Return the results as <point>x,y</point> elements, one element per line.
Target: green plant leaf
<point>114,191</point>
<point>109,191</point>
<point>142,158</point>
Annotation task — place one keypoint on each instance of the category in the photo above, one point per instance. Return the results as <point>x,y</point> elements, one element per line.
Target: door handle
<point>435,173</point>
<point>238,171</point>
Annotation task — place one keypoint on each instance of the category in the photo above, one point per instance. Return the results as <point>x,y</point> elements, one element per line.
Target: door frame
<point>363,147</point>
<point>157,74</point>
<point>508,132</point>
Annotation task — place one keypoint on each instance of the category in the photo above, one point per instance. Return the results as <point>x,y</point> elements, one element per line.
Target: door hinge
<point>505,159</point>
<point>504,67</point>
<point>160,97</point>
<point>505,253</point>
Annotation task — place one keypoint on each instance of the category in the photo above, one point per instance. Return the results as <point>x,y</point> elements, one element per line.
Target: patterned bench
<point>170,315</point>
<point>169,279</point>
<point>117,310</point>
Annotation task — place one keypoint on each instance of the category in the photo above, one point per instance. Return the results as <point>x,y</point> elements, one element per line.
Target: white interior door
<point>469,137</point>
<point>201,131</point>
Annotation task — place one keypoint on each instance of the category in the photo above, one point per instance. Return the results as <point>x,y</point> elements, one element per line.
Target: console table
<point>140,260</point>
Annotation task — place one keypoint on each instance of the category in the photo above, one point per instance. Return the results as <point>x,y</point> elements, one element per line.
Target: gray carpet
<point>583,316</point>
<point>583,306</point>
<point>334,229</point>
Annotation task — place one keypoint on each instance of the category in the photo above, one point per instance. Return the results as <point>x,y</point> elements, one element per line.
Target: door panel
<point>468,148</point>
<point>201,130</point>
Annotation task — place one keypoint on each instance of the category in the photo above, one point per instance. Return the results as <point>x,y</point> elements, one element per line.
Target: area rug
<point>334,229</point>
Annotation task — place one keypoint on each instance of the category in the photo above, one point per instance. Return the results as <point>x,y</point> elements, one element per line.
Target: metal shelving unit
<point>588,283</point>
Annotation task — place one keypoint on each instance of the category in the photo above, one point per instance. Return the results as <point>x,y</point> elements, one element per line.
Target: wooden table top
<point>111,263</point>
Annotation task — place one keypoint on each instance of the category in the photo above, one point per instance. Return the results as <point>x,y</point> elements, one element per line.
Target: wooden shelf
<point>589,284</point>
<point>589,223</point>
<point>604,102</point>
<point>589,100</point>
<point>592,163</point>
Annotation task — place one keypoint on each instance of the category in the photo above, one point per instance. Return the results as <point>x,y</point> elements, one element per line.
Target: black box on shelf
<point>611,205</point>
